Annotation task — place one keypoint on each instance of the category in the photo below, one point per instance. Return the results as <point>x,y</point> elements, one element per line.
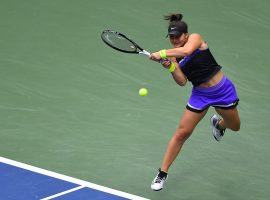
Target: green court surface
<point>70,104</point>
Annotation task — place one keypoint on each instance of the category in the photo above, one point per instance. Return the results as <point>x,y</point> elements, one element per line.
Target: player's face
<point>178,41</point>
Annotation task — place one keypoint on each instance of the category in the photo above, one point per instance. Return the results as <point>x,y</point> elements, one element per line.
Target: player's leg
<point>186,126</point>
<point>229,119</point>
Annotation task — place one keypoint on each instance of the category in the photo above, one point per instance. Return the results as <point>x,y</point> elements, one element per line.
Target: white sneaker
<point>217,133</point>
<point>159,180</point>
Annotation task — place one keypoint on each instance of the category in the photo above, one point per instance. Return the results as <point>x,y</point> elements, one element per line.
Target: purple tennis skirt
<point>222,95</point>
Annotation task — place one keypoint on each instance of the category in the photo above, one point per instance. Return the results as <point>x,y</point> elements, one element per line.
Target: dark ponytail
<point>173,17</point>
<point>176,26</point>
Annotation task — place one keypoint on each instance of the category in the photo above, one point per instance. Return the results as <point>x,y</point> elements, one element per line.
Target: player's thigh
<point>190,120</point>
<point>231,116</point>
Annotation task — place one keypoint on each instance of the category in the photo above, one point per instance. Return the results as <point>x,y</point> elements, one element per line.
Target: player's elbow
<point>182,82</point>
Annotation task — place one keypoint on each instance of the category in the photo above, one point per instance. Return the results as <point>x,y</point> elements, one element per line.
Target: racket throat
<point>146,53</point>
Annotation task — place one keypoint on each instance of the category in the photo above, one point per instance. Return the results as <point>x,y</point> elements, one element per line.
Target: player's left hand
<point>166,63</point>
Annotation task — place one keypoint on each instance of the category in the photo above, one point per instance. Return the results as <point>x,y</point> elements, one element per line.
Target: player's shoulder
<point>195,36</point>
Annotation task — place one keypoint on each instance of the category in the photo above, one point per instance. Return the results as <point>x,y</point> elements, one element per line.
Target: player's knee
<point>236,126</point>
<point>182,134</point>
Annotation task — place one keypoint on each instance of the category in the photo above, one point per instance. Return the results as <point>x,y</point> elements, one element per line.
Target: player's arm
<point>177,73</point>
<point>194,42</point>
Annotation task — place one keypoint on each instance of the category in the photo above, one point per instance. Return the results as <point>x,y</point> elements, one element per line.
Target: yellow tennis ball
<point>143,92</point>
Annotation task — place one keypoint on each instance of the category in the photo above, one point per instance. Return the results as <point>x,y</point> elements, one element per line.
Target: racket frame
<point>137,47</point>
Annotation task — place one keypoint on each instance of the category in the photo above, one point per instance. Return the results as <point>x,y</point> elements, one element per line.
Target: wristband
<point>163,54</point>
<point>172,67</point>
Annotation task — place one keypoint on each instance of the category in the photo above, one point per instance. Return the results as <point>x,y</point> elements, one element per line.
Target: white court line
<point>62,193</point>
<point>71,179</point>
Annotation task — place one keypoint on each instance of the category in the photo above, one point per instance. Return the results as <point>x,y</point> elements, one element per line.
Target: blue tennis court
<point>19,181</point>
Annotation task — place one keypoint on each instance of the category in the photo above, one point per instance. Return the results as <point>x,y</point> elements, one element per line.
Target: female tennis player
<point>190,59</point>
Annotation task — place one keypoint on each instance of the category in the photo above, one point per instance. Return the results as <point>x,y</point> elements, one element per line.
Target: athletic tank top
<point>199,67</point>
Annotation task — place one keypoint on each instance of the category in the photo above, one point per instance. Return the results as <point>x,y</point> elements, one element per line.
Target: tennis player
<point>190,59</point>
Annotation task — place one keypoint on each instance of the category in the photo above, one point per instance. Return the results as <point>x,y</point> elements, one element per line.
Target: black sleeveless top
<point>199,67</point>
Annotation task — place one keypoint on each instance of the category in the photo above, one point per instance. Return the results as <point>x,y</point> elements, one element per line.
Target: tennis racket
<point>122,43</point>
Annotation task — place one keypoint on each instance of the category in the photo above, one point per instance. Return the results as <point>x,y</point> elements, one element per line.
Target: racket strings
<point>119,42</point>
